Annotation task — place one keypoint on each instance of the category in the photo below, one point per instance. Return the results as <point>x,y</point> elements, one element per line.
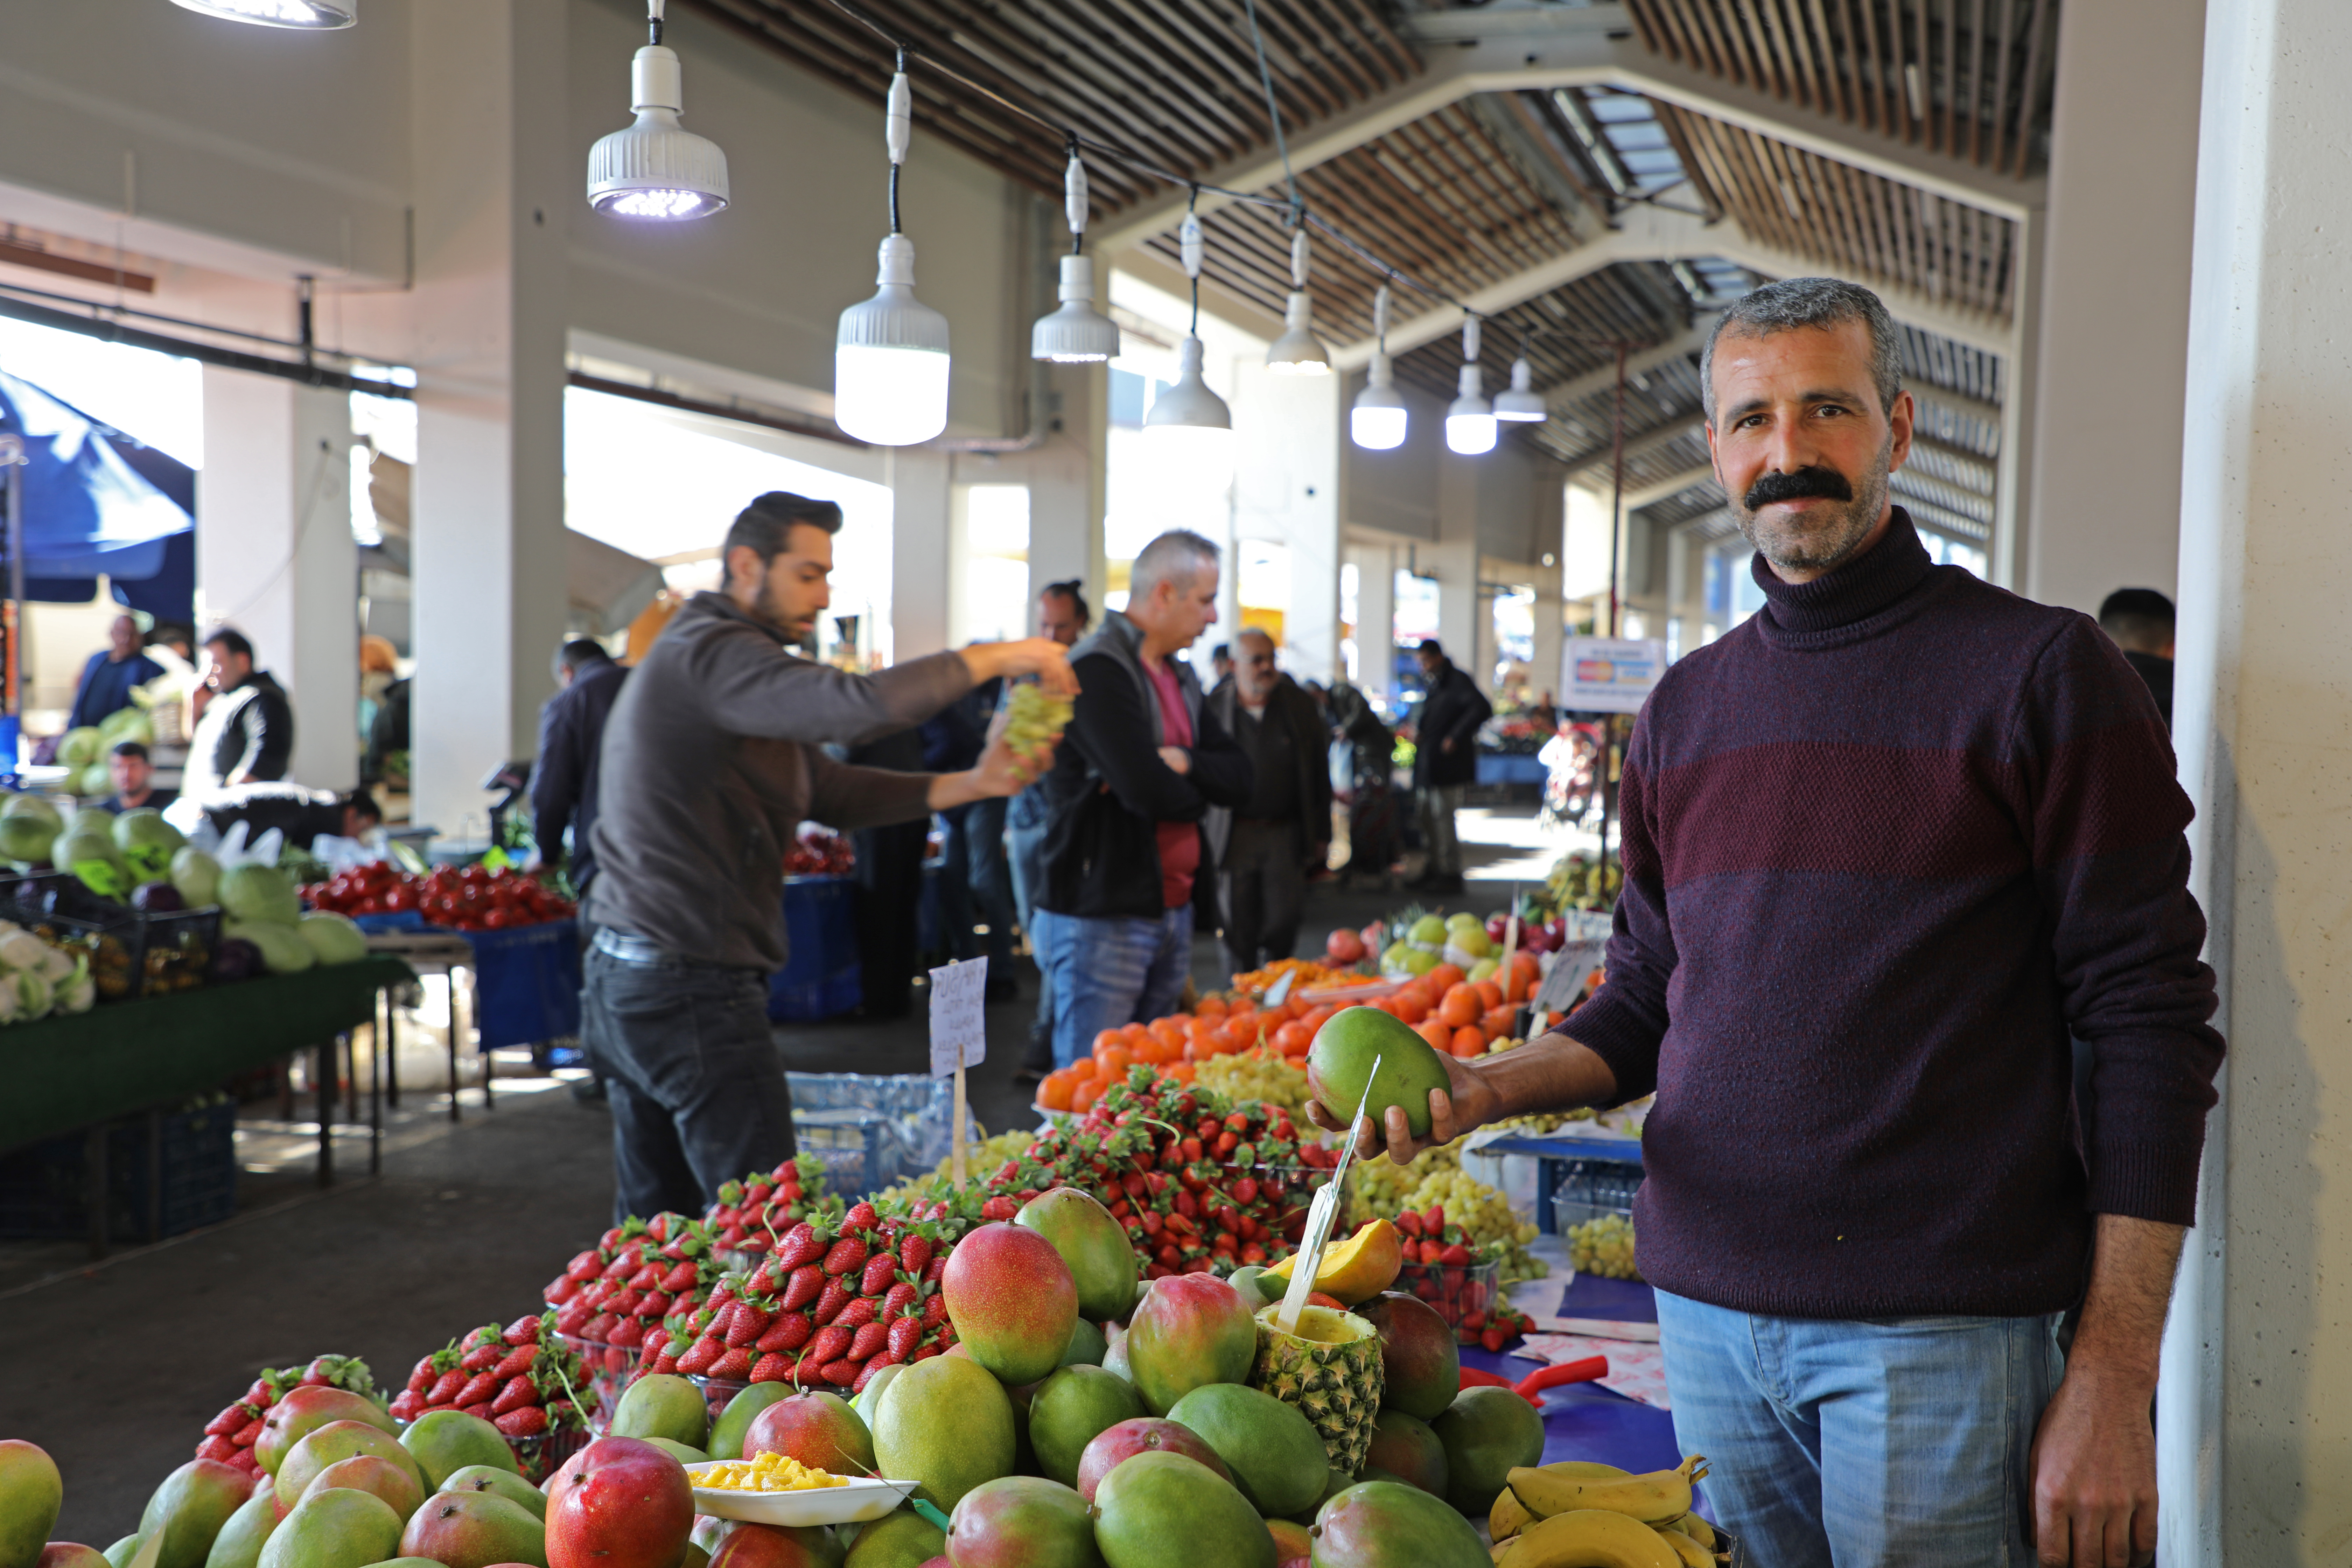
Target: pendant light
<point>1469,420</point>
<point>1076,333</point>
<point>1298,352</point>
<point>890,356</point>
<point>1190,427</point>
<point>1522,404</point>
<point>657,168</point>
<point>1377,422</point>
<point>321,15</point>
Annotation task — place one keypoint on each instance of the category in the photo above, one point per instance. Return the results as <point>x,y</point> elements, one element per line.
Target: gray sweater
<point>710,765</point>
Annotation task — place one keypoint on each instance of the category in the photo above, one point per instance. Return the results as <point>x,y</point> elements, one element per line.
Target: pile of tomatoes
<point>1459,1016</point>
<point>472,897</point>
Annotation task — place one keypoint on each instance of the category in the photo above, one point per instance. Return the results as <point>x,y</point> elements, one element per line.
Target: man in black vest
<point>1264,850</point>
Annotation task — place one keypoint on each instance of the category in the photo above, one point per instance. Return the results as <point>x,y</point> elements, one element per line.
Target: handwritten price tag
<point>959,1023</point>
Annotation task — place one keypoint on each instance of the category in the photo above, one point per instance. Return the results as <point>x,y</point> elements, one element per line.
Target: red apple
<point>627,1505</point>
<point>1344,947</point>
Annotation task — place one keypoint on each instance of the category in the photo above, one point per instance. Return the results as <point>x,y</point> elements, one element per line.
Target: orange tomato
<point>1411,1008</point>
<point>1317,1017</point>
<point>1054,1092</point>
<point>1116,1061</point>
<point>1212,1007</point>
<point>1107,1038</point>
<point>1489,995</point>
<point>1497,1021</point>
<point>1439,1036</point>
<point>1169,1032</point>
<point>1444,977</point>
<point>1293,1039</point>
<point>1459,1007</point>
<point>1135,1033</point>
<point>1469,1042</point>
<point>1084,1098</point>
<point>1226,1041</point>
<point>1525,972</point>
<point>1182,1072</point>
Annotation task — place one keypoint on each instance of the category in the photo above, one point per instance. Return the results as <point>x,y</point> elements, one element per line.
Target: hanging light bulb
<point>1377,422</point>
<point>317,14</point>
<point>1076,333</point>
<point>1298,352</point>
<point>657,168</point>
<point>890,356</point>
<point>1522,404</point>
<point>1469,420</point>
<point>1190,427</point>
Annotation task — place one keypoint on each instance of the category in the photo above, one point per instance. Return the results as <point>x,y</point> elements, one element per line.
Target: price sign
<point>959,1035</point>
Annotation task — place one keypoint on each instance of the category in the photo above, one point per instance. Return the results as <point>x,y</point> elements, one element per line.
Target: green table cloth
<point>64,1073</point>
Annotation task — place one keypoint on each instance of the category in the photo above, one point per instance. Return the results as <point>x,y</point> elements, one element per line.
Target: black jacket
<point>1454,710</point>
<point>1108,790</point>
<point>2157,671</point>
<point>249,730</point>
<point>563,779</point>
<point>1310,747</point>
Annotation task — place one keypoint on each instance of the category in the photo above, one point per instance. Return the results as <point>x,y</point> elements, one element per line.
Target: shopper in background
<point>1221,663</point>
<point>1444,762</point>
<point>301,814</point>
<point>564,776</point>
<point>975,884</point>
<point>106,679</point>
<point>711,762</point>
<point>134,788</point>
<point>1263,850</point>
<point>1062,614</point>
<point>1369,765</point>
<point>379,668</point>
<point>2140,622</point>
<point>247,733</point>
<point>1870,890</point>
<point>1140,764</point>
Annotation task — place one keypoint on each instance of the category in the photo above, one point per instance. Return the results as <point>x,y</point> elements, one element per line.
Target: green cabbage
<point>79,748</point>
<point>197,876</point>
<point>252,892</point>
<point>283,949</point>
<point>336,939</point>
<point>147,842</point>
<point>26,803</point>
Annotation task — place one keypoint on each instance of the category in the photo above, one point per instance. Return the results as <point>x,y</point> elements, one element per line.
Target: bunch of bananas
<point>1264,1075</point>
<point>1577,1514</point>
<point>1604,1246</point>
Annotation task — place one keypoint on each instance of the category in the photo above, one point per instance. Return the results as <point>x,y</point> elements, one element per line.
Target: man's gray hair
<point>1821,303</point>
<point>1176,556</point>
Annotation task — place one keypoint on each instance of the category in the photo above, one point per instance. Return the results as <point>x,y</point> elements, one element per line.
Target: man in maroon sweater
<point>1889,845</point>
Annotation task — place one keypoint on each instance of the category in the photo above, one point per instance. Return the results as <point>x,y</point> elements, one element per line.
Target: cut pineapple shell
<point>1330,1370</point>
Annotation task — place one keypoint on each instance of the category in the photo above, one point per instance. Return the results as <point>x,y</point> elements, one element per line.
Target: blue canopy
<point>94,500</point>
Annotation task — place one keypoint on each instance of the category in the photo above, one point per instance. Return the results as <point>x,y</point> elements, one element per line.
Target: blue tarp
<point>94,500</point>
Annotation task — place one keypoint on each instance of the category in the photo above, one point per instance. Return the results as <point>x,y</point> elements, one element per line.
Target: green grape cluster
<point>1544,1121</point>
<point>1604,1246</point>
<point>979,1160</point>
<point>1034,716</point>
<point>1484,1215</point>
<point>1382,1187</point>
<point>1258,1075</point>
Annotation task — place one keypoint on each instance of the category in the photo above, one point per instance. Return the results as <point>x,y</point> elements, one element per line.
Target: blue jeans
<point>696,1086</point>
<point>1111,972</point>
<point>1885,1443</point>
<point>1024,847</point>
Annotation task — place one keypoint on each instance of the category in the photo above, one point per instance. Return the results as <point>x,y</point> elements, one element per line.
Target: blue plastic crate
<point>527,983</point>
<point>821,977</point>
<point>44,1190</point>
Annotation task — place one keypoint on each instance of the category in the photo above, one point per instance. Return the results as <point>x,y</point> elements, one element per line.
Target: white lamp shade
<point>1378,419</point>
<point>1469,420</point>
<point>1521,404</point>
<point>1190,427</point>
<point>890,359</point>
<point>1298,352</point>
<point>1076,333</point>
<point>317,15</point>
<point>657,168</point>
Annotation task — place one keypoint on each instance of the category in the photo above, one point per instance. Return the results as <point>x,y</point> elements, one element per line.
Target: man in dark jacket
<point>111,672</point>
<point>711,762</point>
<point>1141,762</point>
<point>1444,761</point>
<point>571,744</point>
<point>1264,850</point>
<point>247,735</point>
<point>2140,622</point>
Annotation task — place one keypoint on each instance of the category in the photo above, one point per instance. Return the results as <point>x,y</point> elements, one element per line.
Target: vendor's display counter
<point>1557,1155</point>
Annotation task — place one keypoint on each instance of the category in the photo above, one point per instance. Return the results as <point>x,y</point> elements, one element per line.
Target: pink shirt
<point>1179,842</point>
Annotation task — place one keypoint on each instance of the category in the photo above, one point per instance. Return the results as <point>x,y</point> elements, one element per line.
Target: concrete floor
<point>115,1367</point>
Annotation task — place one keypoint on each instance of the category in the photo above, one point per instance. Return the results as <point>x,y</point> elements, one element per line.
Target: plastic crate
<point>44,1189</point>
<point>1594,1193</point>
<point>913,1125</point>
<point>821,977</point>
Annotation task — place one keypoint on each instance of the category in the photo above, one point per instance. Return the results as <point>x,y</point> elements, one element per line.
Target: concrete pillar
<point>275,557</point>
<point>2010,557</point>
<point>2114,300</point>
<point>1550,627</point>
<point>2252,1425</point>
<point>920,522</point>
<point>496,176</point>
<point>1375,616</point>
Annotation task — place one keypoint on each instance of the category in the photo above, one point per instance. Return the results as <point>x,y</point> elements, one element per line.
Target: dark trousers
<point>1261,889</point>
<point>697,1087</point>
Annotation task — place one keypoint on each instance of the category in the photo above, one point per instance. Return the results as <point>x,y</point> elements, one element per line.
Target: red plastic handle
<point>1590,1369</point>
<point>1473,1378</point>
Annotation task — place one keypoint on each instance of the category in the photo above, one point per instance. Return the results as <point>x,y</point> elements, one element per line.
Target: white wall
<point>1289,434</point>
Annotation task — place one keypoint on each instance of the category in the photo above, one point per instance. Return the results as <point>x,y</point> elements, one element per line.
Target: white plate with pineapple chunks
<point>848,1499</point>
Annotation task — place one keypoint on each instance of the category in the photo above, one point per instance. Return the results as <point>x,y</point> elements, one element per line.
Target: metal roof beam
<point>1666,488</point>
<point>1640,444</point>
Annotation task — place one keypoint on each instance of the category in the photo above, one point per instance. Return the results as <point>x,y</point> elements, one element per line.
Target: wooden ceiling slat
<point>1189,66</point>
<point>1882,99</point>
<point>1133,90</point>
<point>1788,62</point>
<point>1294,79</point>
<point>1834,78</point>
<point>1334,53</point>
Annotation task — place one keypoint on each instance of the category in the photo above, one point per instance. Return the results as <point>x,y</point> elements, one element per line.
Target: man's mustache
<point>1799,485</point>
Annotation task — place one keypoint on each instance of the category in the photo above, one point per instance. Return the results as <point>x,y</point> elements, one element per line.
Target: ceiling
<point>1483,189</point>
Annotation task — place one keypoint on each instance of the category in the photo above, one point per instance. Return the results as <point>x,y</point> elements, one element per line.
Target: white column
<point>2114,300</point>
<point>919,519</point>
<point>2013,524</point>
<point>2252,1423</point>
<point>1376,617</point>
<point>497,178</point>
<point>275,557</point>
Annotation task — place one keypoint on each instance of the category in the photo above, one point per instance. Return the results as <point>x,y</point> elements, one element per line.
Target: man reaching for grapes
<point>1889,845</point>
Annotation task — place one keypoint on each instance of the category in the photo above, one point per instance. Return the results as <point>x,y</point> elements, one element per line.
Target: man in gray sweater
<point>711,764</point>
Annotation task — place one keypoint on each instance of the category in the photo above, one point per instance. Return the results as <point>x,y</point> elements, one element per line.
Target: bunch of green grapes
<point>1382,1187</point>
<point>979,1159</point>
<point>1604,1246</point>
<point>1544,1121</point>
<point>1034,716</point>
<point>1486,1217</point>
<point>1258,1075</point>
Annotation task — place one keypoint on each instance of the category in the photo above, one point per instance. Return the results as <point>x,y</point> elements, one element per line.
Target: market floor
<point>115,1367</point>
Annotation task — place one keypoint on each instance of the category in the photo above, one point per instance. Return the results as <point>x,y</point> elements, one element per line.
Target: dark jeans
<point>1025,853</point>
<point>698,1091</point>
<point>988,879</point>
<point>1261,892</point>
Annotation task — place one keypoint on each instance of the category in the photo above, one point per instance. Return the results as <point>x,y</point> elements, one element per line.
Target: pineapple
<point>1330,1369</point>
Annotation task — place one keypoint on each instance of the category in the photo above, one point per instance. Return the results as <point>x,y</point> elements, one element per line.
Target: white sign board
<point>1609,675</point>
<point>959,1023</point>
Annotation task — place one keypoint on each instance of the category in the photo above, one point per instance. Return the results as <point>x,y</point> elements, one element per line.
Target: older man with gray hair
<point>1141,763</point>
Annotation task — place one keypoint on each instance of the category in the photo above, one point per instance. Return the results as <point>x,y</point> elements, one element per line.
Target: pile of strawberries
<point>229,1437</point>
<point>1494,1330</point>
<point>518,1378</point>
<point>829,1308</point>
<point>617,1292</point>
<point>1429,1239</point>
<point>752,1213</point>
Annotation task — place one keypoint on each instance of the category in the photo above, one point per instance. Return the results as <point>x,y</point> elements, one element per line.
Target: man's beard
<point>1820,541</point>
<point>771,610</point>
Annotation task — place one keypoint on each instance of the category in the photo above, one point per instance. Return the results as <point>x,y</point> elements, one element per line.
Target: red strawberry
<point>245,1461</point>
<point>261,1395</point>
<point>444,1388</point>
<point>697,1359</point>
<point>866,1373</point>
<point>600,1328</point>
<point>655,1304</point>
<point>806,1283</point>
<point>802,1244</point>
<point>807,1370</point>
<point>516,1361</point>
<point>860,1218</point>
<point>627,1332</point>
<point>522,1332</point>
<point>901,1296</point>
<point>482,1358</point>
<point>902,1334</point>
<point>748,1324</point>
<point>880,1270</point>
<point>829,1343</point>
<point>218,1448</point>
<point>841,1374</point>
<point>859,1313</point>
<point>928,1351</point>
<point>517,1392</point>
<point>683,1276</point>
<point>246,1436</point>
<point>829,1305</point>
<point>478,1412</point>
<point>763,1281</point>
<point>624,1302</point>
<point>558,1291</point>
<point>847,1256</point>
<point>649,1276</point>
<point>228,1421</point>
<point>665,1362</point>
<point>788,1333</point>
<point>934,1269</point>
<point>407,1406</point>
<point>585,1267</point>
<point>935,1312</point>
<point>774,1367</point>
<point>734,1366</point>
<point>915,1254</point>
<point>482,1385</point>
<point>871,1338</point>
<point>528,1422</point>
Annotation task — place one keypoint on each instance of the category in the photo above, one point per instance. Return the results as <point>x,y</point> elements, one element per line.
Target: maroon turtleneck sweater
<point>1886,845</point>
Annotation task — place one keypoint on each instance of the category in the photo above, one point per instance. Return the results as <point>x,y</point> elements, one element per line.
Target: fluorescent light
<point>1076,333</point>
<point>1298,352</point>
<point>1377,423</point>
<point>1521,404</point>
<point>1190,427</point>
<point>317,14</point>
<point>1469,420</point>
<point>657,168</point>
<point>890,359</point>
